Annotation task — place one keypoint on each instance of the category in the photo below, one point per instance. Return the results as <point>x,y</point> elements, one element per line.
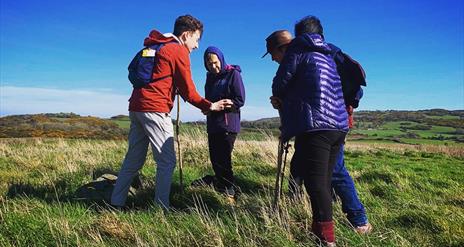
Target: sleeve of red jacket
<point>182,77</point>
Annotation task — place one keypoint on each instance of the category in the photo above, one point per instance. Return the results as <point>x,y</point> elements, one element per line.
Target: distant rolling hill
<point>414,127</point>
<point>64,125</point>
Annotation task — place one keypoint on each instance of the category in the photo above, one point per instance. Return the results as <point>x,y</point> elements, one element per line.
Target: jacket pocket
<point>296,118</point>
<point>165,122</point>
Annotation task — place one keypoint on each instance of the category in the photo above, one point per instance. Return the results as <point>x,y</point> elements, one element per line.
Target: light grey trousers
<point>156,129</point>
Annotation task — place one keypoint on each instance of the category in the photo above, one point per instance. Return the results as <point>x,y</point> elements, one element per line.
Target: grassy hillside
<point>413,127</point>
<point>63,125</point>
<point>413,195</point>
<point>434,126</point>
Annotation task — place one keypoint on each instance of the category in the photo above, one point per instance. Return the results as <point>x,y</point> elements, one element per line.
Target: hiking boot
<point>324,230</point>
<point>364,229</point>
<point>230,194</point>
<point>329,244</point>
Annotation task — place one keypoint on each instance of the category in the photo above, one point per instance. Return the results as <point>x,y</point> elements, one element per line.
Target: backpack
<point>100,189</point>
<point>141,66</point>
<point>352,76</point>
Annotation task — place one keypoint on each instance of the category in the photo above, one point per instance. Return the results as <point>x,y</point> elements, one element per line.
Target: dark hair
<point>309,24</point>
<point>187,23</point>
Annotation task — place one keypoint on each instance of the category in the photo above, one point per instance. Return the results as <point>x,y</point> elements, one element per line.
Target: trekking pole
<point>277,188</point>
<point>178,145</point>
<point>282,174</point>
<point>278,175</point>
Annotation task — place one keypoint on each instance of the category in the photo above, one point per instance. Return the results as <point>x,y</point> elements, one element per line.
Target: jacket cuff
<point>204,105</point>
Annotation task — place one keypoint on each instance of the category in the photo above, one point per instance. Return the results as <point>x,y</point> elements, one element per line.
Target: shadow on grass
<point>415,219</point>
<point>214,200</point>
<point>47,193</point>
<point>372,176</point>
<point>67,189</point>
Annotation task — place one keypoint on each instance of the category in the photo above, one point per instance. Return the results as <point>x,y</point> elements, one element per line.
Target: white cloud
<point>101,103</point>
<point>29,100</point>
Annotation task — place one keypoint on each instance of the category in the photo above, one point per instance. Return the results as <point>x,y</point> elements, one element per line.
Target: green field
<point>413,194</point>
<point>410,132</point>
<point>122,123</point>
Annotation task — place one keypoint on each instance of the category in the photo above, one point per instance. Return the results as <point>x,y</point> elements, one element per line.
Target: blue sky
<point>72,56</point>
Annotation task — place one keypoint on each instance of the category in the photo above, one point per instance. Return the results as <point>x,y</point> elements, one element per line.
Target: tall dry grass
<point>205,218</point>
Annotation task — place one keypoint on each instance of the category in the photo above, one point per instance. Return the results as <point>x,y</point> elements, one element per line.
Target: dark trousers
<point>342,186</point>
<point>220,153</point>
<point>316,154</point>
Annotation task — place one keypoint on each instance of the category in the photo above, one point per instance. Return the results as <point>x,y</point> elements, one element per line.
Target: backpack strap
<point>157,48</point>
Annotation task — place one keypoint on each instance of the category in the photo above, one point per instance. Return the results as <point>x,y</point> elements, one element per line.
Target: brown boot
<point>324,230</point>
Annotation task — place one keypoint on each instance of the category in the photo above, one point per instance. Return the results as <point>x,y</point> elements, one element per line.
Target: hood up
<point>156,37</point>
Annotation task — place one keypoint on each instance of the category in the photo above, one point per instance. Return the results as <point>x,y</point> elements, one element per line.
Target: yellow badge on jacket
<point>148,52</point>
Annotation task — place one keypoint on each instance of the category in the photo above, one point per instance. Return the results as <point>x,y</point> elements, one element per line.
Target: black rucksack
<point>352,76</point>
<point>100,189</point>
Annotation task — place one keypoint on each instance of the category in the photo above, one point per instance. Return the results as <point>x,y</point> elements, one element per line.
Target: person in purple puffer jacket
<point>223,81</point>
<point>342,183</point>
<point>308,93</point>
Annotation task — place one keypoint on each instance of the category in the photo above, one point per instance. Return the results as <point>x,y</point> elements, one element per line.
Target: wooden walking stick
<point>178,145</point>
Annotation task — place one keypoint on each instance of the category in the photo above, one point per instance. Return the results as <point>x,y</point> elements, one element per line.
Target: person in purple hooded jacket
<point>223,81</point>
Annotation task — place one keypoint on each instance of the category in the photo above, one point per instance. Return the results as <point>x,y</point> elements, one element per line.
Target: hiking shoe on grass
<point>329,244</point>
<point>230,194</point>
<point>364,229</point>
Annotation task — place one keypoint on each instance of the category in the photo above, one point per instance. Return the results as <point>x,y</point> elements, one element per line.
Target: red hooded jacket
<point>172,68</point>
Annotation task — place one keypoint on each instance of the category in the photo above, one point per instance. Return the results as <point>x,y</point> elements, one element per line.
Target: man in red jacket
<point>150,107</point>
